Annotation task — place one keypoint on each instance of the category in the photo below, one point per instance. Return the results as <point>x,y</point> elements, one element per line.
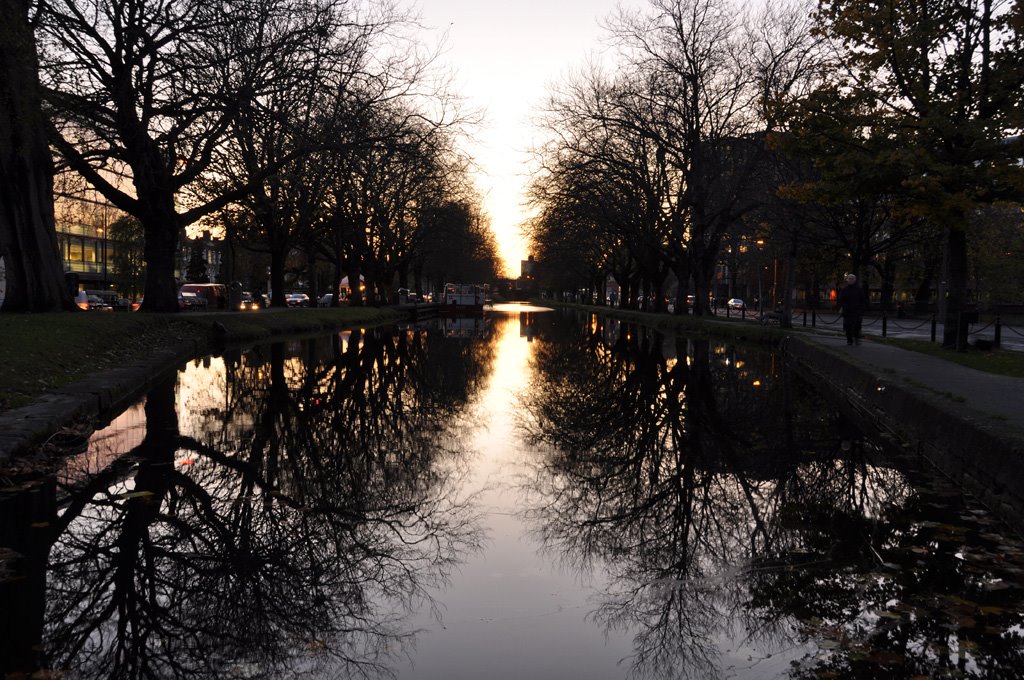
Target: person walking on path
<point>852,304</point>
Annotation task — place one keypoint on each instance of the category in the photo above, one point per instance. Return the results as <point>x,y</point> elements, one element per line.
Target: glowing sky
<point>504,54</point>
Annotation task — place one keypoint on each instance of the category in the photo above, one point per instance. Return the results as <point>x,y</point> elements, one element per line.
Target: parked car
<point>189,301</point>
<point>111,298</point>
<point>736,303</point>
<point>325,300</point>
<point>405,296</point>
<point>97,304</point>
<point>297,299</point>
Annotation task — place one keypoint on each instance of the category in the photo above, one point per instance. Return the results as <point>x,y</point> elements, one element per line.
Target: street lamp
<point>103,253</point>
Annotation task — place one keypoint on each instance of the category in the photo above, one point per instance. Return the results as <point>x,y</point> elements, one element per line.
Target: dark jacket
<point>852,301</point>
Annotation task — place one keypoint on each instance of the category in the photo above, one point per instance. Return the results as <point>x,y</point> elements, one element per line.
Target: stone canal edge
<point>103,395</point>
<point>982,454</point>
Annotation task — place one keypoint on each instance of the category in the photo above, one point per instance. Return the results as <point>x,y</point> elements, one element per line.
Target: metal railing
<point>886,323</point>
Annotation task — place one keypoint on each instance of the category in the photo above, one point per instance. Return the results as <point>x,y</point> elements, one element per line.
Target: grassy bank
<point>996,361</point>
<point>41,352</point>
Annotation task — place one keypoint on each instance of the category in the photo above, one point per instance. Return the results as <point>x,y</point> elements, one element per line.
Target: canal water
<point>527,495</point>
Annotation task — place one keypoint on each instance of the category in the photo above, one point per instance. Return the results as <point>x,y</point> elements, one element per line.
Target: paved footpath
<point>986,393</point>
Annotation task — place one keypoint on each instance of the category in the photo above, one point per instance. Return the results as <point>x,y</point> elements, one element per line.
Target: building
<point>88,250</point>
<point>84,242</point>
<point>528,269</point>
<point>199,259</point>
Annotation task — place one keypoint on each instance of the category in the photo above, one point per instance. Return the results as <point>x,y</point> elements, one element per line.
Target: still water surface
<point>530,495</point>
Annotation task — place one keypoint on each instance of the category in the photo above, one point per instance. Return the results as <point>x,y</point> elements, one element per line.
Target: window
<point>74,253</point>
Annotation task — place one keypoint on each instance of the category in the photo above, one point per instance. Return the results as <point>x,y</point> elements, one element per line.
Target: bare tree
<point>452,242</point>
<point>156,87</point>
<point>715,72</point>
<point>604,174</point>
<point>381,188</point>
<point>681,130</point>
<point>306,129</point>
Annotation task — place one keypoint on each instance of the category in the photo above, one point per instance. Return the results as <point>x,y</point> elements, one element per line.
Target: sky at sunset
<point>504,55</point>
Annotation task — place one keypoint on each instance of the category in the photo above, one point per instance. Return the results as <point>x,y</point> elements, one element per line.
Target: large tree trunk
<point>354,271</point>
<point>277,258</point>
<point>229,254</point>
<point>160,221</point>
<point>954,334</point>
<point>790,284</point>
<point>28,239</point>
<point>161,293</point>
<point>702,269</point>
<point>311,275</point>
<point>336,276</point>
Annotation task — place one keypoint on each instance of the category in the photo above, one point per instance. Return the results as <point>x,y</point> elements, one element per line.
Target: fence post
<point>933,328</point>
<point>998,337</point>
<point>727,310</point>
<point>805,317</point>
<point>885,324</point>
<point>743,312</point>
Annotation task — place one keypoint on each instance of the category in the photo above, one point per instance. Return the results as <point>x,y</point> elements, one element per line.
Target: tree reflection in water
<point>745,528</point>
<point>285,523</point>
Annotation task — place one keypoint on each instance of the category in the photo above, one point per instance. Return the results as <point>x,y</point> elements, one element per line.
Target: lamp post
<point>103,253</point>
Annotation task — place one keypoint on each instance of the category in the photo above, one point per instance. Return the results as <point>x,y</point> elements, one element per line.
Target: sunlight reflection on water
<point>517,308</point>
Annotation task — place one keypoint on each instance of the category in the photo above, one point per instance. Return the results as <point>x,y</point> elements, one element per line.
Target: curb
<point>90,398</point>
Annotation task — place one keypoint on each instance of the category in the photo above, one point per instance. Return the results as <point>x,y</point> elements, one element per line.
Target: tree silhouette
<point>921,102</point>
<point>287,520</point>
<point>727,505</point>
